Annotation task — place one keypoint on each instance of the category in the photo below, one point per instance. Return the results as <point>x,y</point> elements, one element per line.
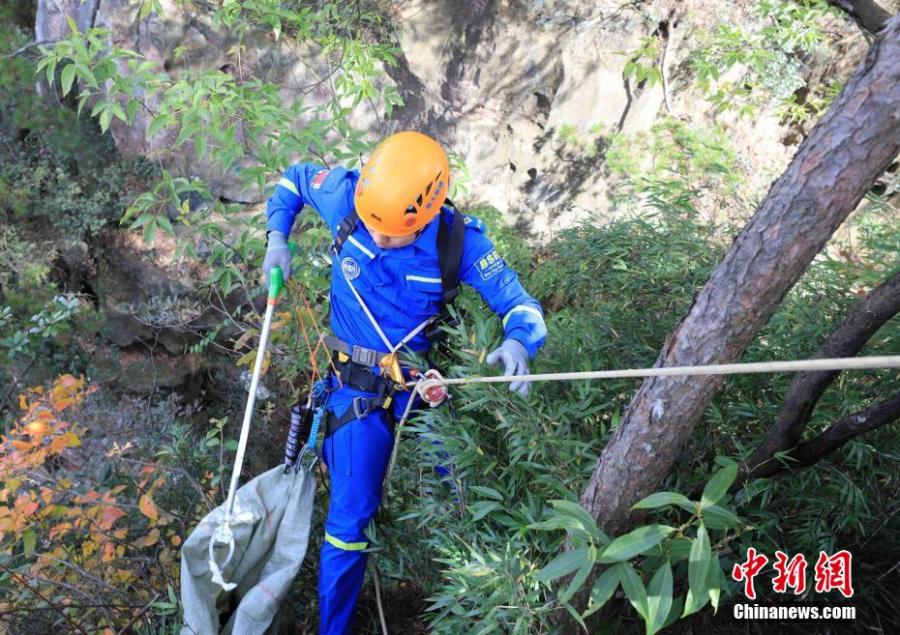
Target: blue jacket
<point>401,286</point>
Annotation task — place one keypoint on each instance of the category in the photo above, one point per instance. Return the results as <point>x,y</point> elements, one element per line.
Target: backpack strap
<point>345,228</point>
<point>450,248</point>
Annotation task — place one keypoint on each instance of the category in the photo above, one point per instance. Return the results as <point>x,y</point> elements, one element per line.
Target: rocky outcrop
<point>495,81</point>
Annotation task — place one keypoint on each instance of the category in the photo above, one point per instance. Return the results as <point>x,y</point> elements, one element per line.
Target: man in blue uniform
<point>386,290</point>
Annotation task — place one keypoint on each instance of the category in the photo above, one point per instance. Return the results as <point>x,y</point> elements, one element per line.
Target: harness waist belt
<point>358,354</point>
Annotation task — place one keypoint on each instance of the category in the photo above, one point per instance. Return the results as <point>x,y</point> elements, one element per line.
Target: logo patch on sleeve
<point>490,265</point>
<point>318,179</point>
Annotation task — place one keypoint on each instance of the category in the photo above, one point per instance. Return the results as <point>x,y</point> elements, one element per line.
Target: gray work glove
<point>278,254</point>
<point>515,362</point>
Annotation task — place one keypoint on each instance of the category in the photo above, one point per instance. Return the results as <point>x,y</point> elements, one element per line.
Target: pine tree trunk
<point>849,148</point>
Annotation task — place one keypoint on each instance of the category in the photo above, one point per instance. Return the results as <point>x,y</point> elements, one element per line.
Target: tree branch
<point>809,452</point>
<point>879,306</point>
<point>22,49</point>
<point>867,14</point>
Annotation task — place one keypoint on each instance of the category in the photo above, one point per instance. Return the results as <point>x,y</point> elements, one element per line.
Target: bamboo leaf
<point>634,543</point>
<point>659,598</point>
<point>718,485</point>
<point>698,573</point>
<point>603,589</point>
<point>563,564</point>
<point>577,580</point>
<point>580,514</point>
<point>662,499</point>
<point>633,588</point>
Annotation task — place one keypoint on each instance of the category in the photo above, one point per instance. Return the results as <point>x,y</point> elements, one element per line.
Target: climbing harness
<point>354,362</point>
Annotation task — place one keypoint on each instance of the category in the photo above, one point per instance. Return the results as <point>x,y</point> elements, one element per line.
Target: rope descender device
<point>430,387</point>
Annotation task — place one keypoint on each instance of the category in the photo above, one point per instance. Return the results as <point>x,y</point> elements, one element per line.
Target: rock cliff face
<point>497,82</point>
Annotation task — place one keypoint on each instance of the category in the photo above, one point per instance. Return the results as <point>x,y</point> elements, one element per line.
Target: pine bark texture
<point>847,150</point>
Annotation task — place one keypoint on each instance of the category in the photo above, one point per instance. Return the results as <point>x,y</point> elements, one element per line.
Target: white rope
<point>391,348</point>
<point>838,363</point>
<point>399,430</point>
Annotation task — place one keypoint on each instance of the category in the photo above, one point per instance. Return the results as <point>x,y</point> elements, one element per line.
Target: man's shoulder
<point>473,223</point>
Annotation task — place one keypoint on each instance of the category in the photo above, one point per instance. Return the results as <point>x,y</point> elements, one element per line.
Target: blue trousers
<point>357,456</point>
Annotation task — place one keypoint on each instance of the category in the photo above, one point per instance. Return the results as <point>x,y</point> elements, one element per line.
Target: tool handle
<point>276,276</point>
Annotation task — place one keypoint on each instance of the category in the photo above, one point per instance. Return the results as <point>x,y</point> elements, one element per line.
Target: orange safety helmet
<point>403,185</point>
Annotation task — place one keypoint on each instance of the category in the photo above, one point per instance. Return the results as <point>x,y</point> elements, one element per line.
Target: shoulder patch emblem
<point>318,179</point>
<point>350,268</point>
<point>489,265</point>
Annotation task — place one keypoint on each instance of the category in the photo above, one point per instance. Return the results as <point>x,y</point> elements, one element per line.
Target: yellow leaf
<point>283,317</point>
<point>88,547</point>
<point>247,359</point>
<point>148,508</point>
<point>242,340</point>
<point>71,439</point>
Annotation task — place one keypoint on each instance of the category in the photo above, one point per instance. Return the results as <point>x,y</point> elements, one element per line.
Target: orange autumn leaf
<point>148,508</point>
<point>56,531</point>
<point>149,540</point>
<point>64,403</point>
<point>109,516</point>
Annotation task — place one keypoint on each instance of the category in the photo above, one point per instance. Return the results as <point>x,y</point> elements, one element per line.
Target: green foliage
<point>497,520</point>
<point>589,145</point>
<point>642,63</point>
<point>677,160</point>
<point>767,62</point>
<point>244,127</point>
